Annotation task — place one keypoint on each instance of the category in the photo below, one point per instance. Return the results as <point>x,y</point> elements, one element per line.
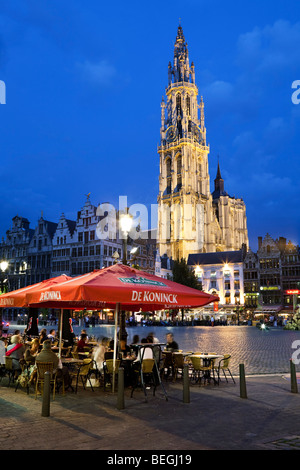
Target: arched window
<point>168,165</point>
<point>179,164</point>
<point>188,104</point>
<point>178,103</point>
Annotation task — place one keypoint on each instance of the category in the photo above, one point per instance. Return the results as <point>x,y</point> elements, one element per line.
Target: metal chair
<point>178,364</point>
<point>202,369</point>
<point>224,365</point>
<point>83,372</point>
<point>168,364</point>
<point>146,376</point>
<point>42,368</point>
<point>108,369</point>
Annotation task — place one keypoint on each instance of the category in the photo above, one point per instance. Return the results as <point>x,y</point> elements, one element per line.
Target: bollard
<point>186,384</point>
<point>46,395</point>
<point>243,391</point>
<point>120,402</point>
<point>294,386</point>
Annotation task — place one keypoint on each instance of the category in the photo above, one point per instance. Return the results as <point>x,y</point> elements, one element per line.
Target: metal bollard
<point>243,390</point>
<point>120,402</point>
<point>186,384</point>
<point>46,395</point>
<point>294,385</point>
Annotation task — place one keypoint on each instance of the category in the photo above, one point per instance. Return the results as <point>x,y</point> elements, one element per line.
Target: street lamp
<point>3,267</point>
<point>125,224</point>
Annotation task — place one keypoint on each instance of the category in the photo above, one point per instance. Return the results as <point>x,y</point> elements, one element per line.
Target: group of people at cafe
<point>41,348</point>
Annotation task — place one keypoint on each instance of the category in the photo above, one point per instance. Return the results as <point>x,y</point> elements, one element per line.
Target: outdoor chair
<point>178,364</point>
<point>224,365</point>
<point>168,365</point>
<point>201,369</point>
<point>146,376</point>
<point>83,373</point>
<point>109,370</point>
<point>42,368</point>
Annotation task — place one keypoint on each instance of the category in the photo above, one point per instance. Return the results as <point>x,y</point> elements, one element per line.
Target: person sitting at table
<point>171,344</point>
<point>99,353</point>
<point>43,335</point>
<point>16,351</point>
<point>31,353</point>
<point>136,340</point>
<point>124,349</point>
<point>52,336</point>
<point>82,343</point>
<point>47,355</point>
<point>144,352</point>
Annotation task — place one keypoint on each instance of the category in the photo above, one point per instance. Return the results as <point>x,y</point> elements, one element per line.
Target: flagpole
<point>115,344</point>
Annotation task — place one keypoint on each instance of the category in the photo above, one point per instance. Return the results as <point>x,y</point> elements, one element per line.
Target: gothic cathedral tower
<point>188,214</point>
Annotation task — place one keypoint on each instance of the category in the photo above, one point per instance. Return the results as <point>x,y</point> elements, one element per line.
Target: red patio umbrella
<point>119,287</point>
<point>17,298</point>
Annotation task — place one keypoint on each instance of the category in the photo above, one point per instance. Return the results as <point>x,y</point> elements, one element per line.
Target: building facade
<point>70,247</point>
<point>221,274</point>
<point>191,219</point>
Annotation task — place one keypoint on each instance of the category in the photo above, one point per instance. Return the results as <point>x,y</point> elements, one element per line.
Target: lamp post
<point>125,225</point>
<point>3,267</point>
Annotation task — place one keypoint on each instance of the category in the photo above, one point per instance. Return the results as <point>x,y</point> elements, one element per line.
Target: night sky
<point>84,81</point>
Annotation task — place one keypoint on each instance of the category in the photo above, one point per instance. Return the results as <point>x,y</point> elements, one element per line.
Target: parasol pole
<point>60,332</point>
<point>115,345</point>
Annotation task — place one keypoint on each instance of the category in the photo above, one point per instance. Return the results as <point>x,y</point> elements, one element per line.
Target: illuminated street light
<point>3,266</point>
<point>126,224</point>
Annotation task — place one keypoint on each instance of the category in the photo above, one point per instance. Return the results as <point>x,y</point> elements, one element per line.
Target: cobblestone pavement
<point>215,418</point>
<point>262,352</point>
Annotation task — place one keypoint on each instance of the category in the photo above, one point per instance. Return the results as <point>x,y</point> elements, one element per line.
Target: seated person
<point>47,355</point>
<point>144,352</point>
<point>99,353</point>
<point>171,344</point>
<point>52,336</point>
<point>82,343</point>
<point>43,335</point>
<point>124,348</point>
<point>16,351</point>
<point>31,353</point>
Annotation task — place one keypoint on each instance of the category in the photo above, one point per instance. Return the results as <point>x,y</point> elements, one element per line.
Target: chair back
<point>86,366</point>
<point>168,355</point>
<point>196,362</point>
<point>178,360</point>
<point>108,355</point>
<point>43,367</point>
<point>75,355</point>
<point>225,361</point>
<point>110,365</point>
<point>147,366</point>
<point>8,363</point>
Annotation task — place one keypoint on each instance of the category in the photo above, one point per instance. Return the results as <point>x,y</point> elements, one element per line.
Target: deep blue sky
<point>84,82</point>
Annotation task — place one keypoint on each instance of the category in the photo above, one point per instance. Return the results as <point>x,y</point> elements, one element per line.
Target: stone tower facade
<point>191,219</point>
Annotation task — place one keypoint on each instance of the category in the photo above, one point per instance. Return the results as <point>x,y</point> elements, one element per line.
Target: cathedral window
<point>188,105</point>
<point>179,164</point>
<point>168,165</point>
<point>178,103</point>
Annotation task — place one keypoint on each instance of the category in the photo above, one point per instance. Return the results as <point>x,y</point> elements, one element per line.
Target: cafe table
<point>207,358</point>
